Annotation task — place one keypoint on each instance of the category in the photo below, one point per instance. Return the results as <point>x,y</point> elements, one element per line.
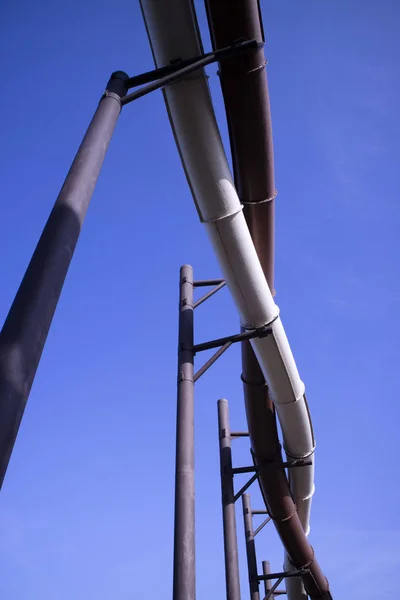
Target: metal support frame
<point>228,504</point>
<point>267,582</point>
<point>25,330</point>
<point>184,587</point>
<point>184,523</point>
<point>179,69</point>
<point>26,327</point>
<point>270,590</point>
<point>250,548</point>
<point>250,533</point>
<point>229,499</point>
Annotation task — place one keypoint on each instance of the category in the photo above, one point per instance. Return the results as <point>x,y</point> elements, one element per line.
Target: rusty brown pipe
<point>245,91</point>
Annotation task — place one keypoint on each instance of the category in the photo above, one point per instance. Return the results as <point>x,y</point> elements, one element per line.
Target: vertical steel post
<point>266,569</point>
<point>28,322</point>
<point>184,526</point>
<point>250,548</point>
<point>228,504</point>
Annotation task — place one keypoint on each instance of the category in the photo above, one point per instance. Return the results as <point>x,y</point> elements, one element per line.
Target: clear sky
<point>87,505</point>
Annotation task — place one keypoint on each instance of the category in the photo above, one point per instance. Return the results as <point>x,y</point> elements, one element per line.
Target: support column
<point>28,322</point>
<point>228,504</point>
<point>250,548</point>
<point>184,526</point>
<point>266,569</point>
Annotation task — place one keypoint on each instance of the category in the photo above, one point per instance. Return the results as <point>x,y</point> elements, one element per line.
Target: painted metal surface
<point>28,322</point>
<point>173,34</point>
<point>245,90</point>
<point>250,548</point>
<point>228,504</point>
<point>184,582</point>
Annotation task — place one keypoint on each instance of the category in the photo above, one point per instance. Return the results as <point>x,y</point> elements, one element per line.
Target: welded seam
<point>257,202</point>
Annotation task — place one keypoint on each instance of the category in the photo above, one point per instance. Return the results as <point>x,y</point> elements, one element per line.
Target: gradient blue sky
<point>87,505</point>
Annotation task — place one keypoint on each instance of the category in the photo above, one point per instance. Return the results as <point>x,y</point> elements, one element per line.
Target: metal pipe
<point>220,209</point>
<point>250,548</point>
<point>178,65</point>
<point>228,504</point>
<point>25,330</point>
<point>266,569</point>
<point>184,584</point>
<point>246,97</point>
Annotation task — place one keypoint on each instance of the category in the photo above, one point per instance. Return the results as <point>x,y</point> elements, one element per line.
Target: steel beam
<point>184,584</point>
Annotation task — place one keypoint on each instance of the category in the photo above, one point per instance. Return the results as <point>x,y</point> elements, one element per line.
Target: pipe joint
<point>301,456</point>
<point>284,519</point>
<point>221,218</point>
<point>264,201</point>
<point>249,326</point>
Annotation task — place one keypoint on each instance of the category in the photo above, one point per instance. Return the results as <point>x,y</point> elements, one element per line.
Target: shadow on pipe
<point>25,330</point>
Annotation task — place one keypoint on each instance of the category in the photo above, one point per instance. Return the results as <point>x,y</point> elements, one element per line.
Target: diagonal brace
<point>209,294</point>
<point>245,487</point>
<point>263,524</point>
<point>239,337</point>
<point>182,68</point>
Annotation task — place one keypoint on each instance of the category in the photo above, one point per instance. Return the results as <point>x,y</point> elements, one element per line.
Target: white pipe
<point>173,33</point>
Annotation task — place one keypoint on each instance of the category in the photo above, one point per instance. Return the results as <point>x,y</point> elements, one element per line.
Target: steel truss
<point>29,319</point>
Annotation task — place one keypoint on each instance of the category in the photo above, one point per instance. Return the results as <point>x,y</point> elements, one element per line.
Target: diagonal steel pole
<point>28,322</point>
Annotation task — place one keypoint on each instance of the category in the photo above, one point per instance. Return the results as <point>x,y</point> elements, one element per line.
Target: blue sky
<point>87,505</point>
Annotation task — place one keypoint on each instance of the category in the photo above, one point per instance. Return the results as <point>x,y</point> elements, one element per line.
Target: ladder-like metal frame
<point>184,524</point>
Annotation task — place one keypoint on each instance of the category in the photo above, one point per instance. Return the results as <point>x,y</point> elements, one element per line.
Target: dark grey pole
<point>266,569</point>
<point>184,533</point>
<point>228,504</point>
<point>28,322</point>
<point>250,548</point>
